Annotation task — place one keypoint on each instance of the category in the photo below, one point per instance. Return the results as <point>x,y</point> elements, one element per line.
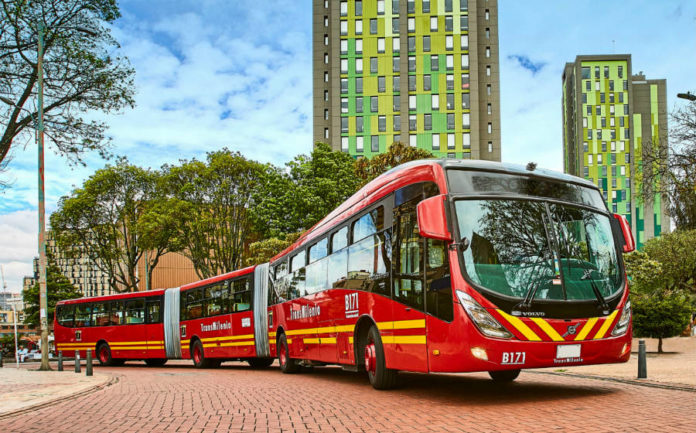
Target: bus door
<point>120,339</point>
<point>242,317</point>
<point>406,348</point>
<point>154,330</point>
<point>135,329</point>
<point>439,307</point>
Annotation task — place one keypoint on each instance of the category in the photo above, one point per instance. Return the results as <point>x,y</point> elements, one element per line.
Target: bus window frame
<point>72,316</point>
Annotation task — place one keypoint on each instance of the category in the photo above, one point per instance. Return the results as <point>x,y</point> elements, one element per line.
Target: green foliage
<point>677,257</point>
<point>262,251</point>
<point>81,74</point>
<point>58,288</point>
<point>398,153</point>
<point>662,314</point>
<point>7,343</point>
<point>644,273</point>
<point>310,187</point>
<point>212,201</point>
<point>118,215</point>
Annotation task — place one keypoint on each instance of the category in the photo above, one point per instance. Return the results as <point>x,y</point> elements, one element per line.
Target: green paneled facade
<point>606,113</point>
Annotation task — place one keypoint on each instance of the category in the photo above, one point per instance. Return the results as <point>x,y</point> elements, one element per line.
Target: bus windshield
<point>547,251</point>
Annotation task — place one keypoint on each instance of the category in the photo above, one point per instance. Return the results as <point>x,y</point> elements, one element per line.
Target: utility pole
<point>43,303</point>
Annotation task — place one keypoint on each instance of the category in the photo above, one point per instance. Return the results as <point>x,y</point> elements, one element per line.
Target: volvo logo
<point>571,330</point>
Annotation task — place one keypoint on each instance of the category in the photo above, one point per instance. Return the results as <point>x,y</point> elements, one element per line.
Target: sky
<point>237,74</point>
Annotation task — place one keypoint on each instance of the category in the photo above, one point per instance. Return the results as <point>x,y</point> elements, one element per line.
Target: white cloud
<point>18,246</point>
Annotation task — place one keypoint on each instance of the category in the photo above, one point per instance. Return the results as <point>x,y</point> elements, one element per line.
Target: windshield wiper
<point>587,275</point>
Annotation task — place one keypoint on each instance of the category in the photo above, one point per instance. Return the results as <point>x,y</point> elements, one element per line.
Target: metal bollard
<point>77,361</point>
<point>642,364</point>
<point>60,360</point>
<point>89,362</point>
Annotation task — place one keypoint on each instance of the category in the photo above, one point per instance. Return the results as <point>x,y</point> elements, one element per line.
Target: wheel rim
<point>283,355</point>
<point>370,358</point>
<point>197,354</point>
<point>102,355</point>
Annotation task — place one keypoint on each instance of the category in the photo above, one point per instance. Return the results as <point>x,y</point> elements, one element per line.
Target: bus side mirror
<point>432,220</point>
<point>629,243</point>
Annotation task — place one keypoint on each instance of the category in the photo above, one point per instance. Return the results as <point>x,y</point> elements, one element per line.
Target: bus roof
<point>222,277</point>
<point>115,297</point>
<point>417,171</point>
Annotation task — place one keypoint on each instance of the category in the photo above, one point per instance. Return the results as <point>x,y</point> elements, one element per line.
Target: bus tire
<point>104,355</point>
<point>260,362</point>
<point>379,375</point>
<point>198,356</point>
<point>287,364</point>
<point>157,362</point>
<point>504,376</point>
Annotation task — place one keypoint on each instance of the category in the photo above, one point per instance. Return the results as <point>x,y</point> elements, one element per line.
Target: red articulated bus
<point>209,321</point>
<point>435,266</point>
<point>456,266</point>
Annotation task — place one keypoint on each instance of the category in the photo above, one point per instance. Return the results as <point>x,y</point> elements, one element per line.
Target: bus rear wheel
<point>287,364</point>
<point>380,376</point>
<point>104,355</point>
<point>155,362</point>
<point>260,362</point>
<point>504,376</point>
<point>199,360</point>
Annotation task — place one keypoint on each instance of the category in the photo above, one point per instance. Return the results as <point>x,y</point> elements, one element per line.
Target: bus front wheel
<point>504,376</point>
<point>380,376</point>
<point>287,364</point>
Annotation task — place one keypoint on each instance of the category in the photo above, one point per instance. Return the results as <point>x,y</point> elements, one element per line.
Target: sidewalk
<point>674,368</point>
<point>25,387</point>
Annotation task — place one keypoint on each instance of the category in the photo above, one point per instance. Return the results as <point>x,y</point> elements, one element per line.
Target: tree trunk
<point>659,345</point>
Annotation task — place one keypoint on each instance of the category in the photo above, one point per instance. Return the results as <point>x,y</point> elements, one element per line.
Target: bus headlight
<point>624,320</point>
<point>481,318</point>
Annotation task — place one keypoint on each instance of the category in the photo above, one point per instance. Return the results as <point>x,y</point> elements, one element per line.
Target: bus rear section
<point>115,328</point>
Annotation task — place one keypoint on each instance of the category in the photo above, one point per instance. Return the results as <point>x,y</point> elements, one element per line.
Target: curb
<point>637,382</point>
<point>112,380</point>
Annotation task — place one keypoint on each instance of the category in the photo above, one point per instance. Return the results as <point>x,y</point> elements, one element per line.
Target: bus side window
<point>437,281</point>
<point>242,295</point>
<point>213,299</point>
<point>65,315</point>
<point>135,311</point>
<point>82,315</point>
<point>194,304</point>
<point>225,297</point>
<point>117,313</point>
<point>153,311</point>
<point>100,313</point>
<point>407,263</point>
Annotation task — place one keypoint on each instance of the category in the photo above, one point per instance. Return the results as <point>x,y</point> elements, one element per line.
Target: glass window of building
<point>463,5</point>
<point>435,102</point>
<point>344,124</point>
<point>360,144</point>
<point>449,42</point>
<point>428,121</point>
<point>358,27</point>
<point>359,123</point>
<point>344,8</point>
<point>359,104</point>
<point>450,120</point>
<point>344,66</point>
<point>344,144</point>
<point>411,63</point>
<point>412,83</point>
<point>465,101</point>
<point>396,45</point>
<point>465,81</point>
<point>396,84</point>
<point>374,104</point>
<point>395,26</point>
<point>448,5</point>
<point>381,84</point>
<point>358,85</point>
<point>411,6</point>
<point>464,40</point>
<point>411,102</point>
<point>449,62</point>
<point>326,114</point>
<point>395,6</point>
<point>344,27</point>
<point>466,120</point>
<point>426,83</point>
<point>380,7</point>
<point>450,141</point>
<point>426,7</point>
<point>344,85</point>
<point>396,62</point>
<point>433,24</point>
<point>465,61</point>
<point>449,26</point>
<point>450,101</point>
<point>344,105</point>
<point>450,81</point>
<point>412,122</point>
<point>380,45</point>
<point>358,66</point>
<point>436,141</point>
<point>412,140</point>
<point>358,8</point>
<point>397,122</point>
<point>466,141</point>
<point>358,46</point>
<point>344,46</point>
<point>411,24</point>
<point>374,65</point>
<point>373,26</point>
<point>488,70</point>
<point>434,63</point>
<point>382,123</point>
<point>411,43</point>
<point>426,43</point>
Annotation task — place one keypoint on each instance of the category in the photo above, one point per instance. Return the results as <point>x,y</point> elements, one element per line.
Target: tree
<point>398,153</point>
<point>677,257</point>
<point>670,171</point>
<point>264,250</point>
<point>214,199</point>
<point>117,217</point>
<point>58,288</point>
<point>644,272</point>
<point>80,73</point>
<point>310,187</point>
<point>662,314</point>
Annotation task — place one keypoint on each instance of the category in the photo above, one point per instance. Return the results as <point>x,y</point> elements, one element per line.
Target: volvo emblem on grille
<point>571,330</point>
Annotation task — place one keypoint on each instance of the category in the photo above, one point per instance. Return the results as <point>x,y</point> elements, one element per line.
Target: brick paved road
<point>235,398</point>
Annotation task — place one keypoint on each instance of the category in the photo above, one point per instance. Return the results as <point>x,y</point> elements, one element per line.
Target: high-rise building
<point>423,72</point>
<point>610,118</point>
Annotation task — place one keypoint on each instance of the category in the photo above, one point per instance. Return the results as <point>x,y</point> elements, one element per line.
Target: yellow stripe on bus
<point>605,326</point>
<point>520,326</point>
<point>271,334</point>
<point>232,337</point>
<point>403,339</point>
<point>322,340</point>
<point>77,344</point>
<point>230,344</point>
<point>402,324</point>
<point>586,329</point>
<point>544,325</point>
